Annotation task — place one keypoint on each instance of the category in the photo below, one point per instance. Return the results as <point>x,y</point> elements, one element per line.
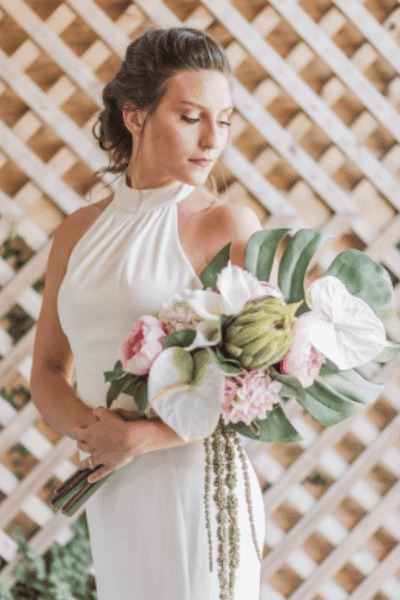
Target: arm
<point>53,362</point>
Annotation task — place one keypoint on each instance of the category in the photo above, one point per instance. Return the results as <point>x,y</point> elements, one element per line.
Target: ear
<point>133,119</point>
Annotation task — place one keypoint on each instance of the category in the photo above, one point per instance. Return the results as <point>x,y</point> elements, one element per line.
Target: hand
<point>113,441</point>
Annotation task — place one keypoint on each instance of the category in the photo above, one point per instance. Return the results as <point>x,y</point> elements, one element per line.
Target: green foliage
<point>209,275</point>
<point>260,251</point>
<point>295,262</point>
<point>15,393</point>
<point>276,428</point>
<point>61,574</point>
<point>10,250</point>
<point>19,322</point>
<point>184,337</point>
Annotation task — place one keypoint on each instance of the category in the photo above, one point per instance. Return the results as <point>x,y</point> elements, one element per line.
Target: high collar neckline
<point>133,200</point>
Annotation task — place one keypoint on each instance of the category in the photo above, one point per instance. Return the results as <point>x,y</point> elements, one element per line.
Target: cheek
<point>173,138</point>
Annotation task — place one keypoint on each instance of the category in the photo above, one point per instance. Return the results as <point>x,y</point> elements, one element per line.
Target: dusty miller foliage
<point>61,574</point>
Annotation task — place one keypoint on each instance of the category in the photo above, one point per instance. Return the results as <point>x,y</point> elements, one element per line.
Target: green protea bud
<point>260,334</point>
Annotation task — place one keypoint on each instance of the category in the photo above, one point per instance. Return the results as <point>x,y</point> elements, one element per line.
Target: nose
<point>209,136</point>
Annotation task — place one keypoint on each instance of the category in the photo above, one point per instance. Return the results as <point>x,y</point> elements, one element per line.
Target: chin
<point>196,178</point>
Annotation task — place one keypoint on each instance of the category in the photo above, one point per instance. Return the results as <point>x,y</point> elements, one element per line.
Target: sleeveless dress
<point>147,522</point>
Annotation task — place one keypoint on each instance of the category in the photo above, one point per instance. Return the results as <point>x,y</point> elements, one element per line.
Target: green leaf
<point>117,387</point>
<point>341,395</point>
<point>366,279</point>
<point>328,368</point>
<point>388,353</point>
<point>260,252</point>
<point>276,428</point>
<point>116,373</point>
<point>209,275</point>
<point>37,561</point>
<point>291,388</point>
<point>229,366</point>
<point>295,261</point>
<point>352,385</point>
<point>138,389</point>
<point>179,338</point>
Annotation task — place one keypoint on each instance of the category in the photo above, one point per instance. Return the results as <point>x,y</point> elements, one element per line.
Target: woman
<point>165,124</point>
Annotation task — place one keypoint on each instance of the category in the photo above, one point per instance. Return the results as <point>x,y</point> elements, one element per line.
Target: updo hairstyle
<point>142,82</point>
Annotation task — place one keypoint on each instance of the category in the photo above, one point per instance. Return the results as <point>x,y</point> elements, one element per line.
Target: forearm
<point>163,436</point>
<point>58,404</point>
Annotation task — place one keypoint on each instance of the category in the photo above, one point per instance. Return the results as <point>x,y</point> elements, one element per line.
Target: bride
<point>165,123</point>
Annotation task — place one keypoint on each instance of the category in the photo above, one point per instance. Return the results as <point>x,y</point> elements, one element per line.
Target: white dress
<point>147,522</point>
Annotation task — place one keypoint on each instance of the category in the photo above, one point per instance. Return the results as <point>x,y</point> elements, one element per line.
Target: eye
<point>225,123</point>
<point>188,119</point>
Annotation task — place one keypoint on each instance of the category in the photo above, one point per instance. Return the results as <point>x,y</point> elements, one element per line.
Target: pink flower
<point>249,396</point>
<point>264,288</point>
<point>178,314</point>
<point>303,360</point>
<point>143,345</point>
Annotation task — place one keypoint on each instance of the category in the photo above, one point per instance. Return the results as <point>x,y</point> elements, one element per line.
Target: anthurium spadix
<point>341,326</point>
<point>186,391</point>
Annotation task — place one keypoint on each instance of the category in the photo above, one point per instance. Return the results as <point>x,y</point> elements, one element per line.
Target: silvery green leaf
<point>388,352</point>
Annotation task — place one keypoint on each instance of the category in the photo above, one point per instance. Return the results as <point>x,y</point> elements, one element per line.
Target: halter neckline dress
<point>147,522</point>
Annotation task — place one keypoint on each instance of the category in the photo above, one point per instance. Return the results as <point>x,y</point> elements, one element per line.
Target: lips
<point>203,162</point>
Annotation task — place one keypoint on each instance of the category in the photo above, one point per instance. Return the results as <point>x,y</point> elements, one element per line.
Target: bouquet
<point>225,359</point>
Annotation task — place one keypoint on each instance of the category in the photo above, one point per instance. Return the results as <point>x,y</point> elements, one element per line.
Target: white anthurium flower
<point>186,392</point>
<point>207,304</point>
<point>208,333</point>
<point>237,286</point>
<point>341,326</point>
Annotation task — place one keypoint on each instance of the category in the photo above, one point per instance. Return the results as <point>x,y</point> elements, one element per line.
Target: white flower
<point>186,392</point>
<point>238,286</point>
<point>341,326</point>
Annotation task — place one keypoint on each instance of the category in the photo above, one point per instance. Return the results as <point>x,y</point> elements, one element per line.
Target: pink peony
<point>303,361</point>
<point>264,288</point>
<point>249,396</point>
<point>143,345</point>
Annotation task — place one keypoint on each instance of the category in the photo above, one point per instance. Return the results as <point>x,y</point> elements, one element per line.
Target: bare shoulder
<point>232,220</point>
<point>232,223</point>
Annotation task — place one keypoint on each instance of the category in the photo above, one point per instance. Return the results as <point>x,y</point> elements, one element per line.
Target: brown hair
<point>142,82</point>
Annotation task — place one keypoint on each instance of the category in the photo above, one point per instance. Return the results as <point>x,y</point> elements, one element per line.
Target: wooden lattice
<point>315,142</point>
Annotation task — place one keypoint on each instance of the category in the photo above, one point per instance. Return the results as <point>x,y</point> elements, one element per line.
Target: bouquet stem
<point>75,491</point>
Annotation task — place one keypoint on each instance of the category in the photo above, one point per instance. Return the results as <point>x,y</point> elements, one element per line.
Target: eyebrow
<point>201,106</point>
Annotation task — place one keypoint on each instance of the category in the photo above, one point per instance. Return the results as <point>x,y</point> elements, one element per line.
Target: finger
<point>99,411</point>
<point>87,463</point>
<point>82,445</point>
<point>99,473</point>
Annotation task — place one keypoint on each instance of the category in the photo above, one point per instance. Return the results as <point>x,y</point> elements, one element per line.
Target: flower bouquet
<point>224,360</point>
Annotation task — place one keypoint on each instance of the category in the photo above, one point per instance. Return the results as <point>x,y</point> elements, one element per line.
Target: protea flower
<point>260,335</point>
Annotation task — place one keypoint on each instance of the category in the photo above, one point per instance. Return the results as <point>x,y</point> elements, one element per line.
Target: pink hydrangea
<point>143,345</point>
<point>303,360</point>
<point>249,396</point>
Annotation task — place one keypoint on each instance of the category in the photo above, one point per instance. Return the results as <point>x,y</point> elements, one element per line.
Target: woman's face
<point>190,123</point>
